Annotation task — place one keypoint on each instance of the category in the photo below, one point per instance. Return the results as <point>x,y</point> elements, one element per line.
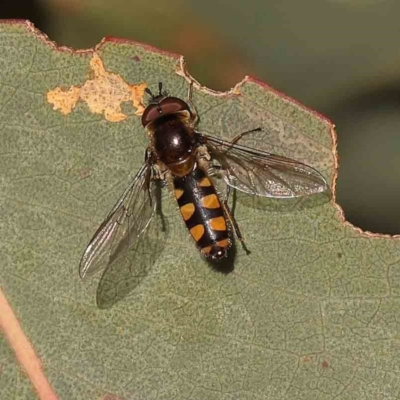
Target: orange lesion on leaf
<point>103,94</point>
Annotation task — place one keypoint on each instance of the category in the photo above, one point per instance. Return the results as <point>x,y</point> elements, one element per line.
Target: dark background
<point>339,57</point>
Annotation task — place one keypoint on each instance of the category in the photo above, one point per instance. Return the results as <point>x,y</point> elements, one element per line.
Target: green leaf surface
<point>13,383</point>
<point>311,313</point>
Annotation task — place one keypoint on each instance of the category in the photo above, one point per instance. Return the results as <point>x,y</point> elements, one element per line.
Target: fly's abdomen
<point>202,212</point>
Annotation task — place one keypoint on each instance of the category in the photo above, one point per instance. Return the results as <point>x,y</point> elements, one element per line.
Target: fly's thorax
<point>183,167</point>
<point>174,143</point>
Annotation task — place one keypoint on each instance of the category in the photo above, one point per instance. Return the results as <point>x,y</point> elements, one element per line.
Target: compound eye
<point>171,105</point>
<point>168,105</point>
<point>151,113</point>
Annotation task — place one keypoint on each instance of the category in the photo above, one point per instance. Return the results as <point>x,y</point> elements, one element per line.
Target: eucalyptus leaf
<point>311,313</point>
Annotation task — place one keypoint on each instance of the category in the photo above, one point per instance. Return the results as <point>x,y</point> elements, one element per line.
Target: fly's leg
<point>148,159</point>
<point>232,220</point>
<point>158,178</point>
<point>158,173</point>
<point>232,142</point>
<point>238,137</point>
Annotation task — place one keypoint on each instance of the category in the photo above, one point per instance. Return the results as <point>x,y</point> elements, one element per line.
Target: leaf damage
<point>103,94</point>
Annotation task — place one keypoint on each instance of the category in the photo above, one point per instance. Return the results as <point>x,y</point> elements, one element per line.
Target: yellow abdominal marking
<point>223,243</point>
<point>218,224</point>
<point>205,182</point>
<point>210,201</point>
<point>197,232</point>
<point>187,211</point>
<point>206,250</point>
<point>178,193</point>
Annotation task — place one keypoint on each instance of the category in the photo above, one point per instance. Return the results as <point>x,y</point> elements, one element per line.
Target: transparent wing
<point>264,174</point>
<point>123,226</point>
<point>128,270</point>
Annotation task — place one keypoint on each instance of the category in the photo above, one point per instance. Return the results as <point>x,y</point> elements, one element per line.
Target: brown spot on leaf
<point>325,364</point>
<point>103,94</point>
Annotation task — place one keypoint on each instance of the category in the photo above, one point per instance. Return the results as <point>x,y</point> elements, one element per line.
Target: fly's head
<point>162,105</point>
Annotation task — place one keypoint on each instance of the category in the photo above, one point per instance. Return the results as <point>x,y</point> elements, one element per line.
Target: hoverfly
<point>189,159</point>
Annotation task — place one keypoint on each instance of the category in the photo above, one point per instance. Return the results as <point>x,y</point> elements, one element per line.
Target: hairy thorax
<point>174,142</point>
